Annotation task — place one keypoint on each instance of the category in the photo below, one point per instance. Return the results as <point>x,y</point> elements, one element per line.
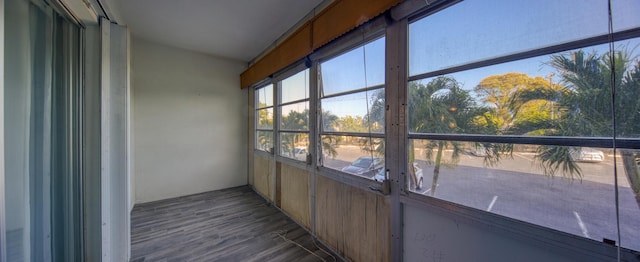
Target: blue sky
<point>506,27</point>
<point>470,31</point>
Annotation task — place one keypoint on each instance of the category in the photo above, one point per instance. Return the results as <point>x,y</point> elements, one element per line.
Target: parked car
<point>478,150</point>
<point>365,166</point>
<point>381,176</point>
<point>300,153</point>
<point>586,154</point>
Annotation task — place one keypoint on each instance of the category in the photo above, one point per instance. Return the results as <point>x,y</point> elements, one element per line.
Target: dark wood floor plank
<point>226,225</point>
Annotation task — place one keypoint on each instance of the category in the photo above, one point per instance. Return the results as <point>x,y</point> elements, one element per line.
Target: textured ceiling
<point>236,29</point>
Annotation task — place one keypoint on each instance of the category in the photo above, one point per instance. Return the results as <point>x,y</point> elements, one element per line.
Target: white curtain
<point>27,100</point>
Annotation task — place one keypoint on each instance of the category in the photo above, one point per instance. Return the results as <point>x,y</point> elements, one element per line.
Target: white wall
<point>189,122</point>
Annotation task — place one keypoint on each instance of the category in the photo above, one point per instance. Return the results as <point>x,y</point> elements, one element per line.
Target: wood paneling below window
<point>355,222</point>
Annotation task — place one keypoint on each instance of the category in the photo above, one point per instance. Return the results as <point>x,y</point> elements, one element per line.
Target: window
<point>352,99</point>
<point>294,116</point>
<point>264,118</point>
<point>510,111</point>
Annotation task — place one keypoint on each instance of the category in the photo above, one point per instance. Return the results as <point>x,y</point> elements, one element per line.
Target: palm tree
<point>442,106</point>
<point>293,121</point>
<point>265,121</point>
<point>328,144</point>
<point>265,140</point>
<point>374,122</point>
<point>585,103</point>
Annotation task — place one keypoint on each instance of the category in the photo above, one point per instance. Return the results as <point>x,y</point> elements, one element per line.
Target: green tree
<point>293,121</point>
<point>265,121</point>
<point>376,112</point>
<point>585,106</point>
<point>265,140</point>
<point>351,124</point>
<point>328,144</point>
<point>499,90</point>
<point>442,106</point>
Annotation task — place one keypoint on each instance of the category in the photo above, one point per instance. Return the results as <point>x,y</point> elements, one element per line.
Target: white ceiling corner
<point>236,29</point>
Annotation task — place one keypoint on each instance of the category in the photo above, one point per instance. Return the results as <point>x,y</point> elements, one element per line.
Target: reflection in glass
<point>295,87</point>
<point>295,117</point>
<point>361,156</point>
<point>265,96</point>
<point>507,27</point>
<point>264,140</point>
<point>570,189</point>
<point>349,113</point>
<point>294,145</point>
<point>265,118</point>
<point>356,69</point>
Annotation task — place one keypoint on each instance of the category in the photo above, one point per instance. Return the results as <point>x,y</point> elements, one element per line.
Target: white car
<point>300,153</point>
<point>478,150</point>
<point>380,176</point>
<point>586,154</point>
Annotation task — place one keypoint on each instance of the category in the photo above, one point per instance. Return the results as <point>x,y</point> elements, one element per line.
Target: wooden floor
<point>227,225</point>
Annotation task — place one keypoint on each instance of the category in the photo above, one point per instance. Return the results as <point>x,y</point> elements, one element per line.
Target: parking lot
<point>517,188</point>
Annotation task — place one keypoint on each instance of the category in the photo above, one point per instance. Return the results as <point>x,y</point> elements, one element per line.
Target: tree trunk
<point>413,183</point>
<point>436,168</point>
<point>412,172</point>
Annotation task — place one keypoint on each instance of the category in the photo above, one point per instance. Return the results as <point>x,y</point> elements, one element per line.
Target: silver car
<point>365,166</point>
<point>300,153</point>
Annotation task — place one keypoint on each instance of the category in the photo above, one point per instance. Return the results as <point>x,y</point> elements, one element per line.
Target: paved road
<point>517,188</point>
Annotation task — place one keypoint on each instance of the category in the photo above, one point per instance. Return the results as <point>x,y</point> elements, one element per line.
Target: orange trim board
<point>337,19</point>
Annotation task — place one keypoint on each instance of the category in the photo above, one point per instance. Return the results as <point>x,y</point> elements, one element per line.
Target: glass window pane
<point>356,69</point>
<point>264,140</point>
<point>42,136</point>
<point>570,189</point>
<point>264,96</point>
<point>295,117</point>
<point>627,55</point>
<point>625,14</point>
<point>562,94</point>
<point>356,112</point>
<point>360,156</point>
<point>485,31</point>
<point>629,187</point>
<point>295,87</point>
<point>294,145</point>
<point>265,118</point>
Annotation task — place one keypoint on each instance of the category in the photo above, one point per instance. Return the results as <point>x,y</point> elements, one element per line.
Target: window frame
<point>526,230</point>
<point>603,142</point>
<point>278,130</point>
<point>394,26</point>
<point>263,85</point>
<point>356,39</point>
